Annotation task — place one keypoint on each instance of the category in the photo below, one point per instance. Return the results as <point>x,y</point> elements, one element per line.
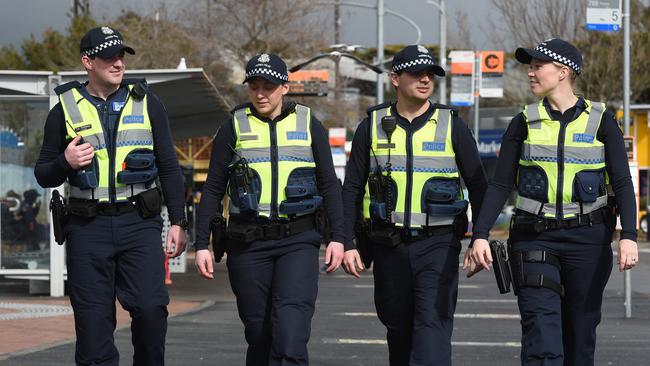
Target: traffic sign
<point>462,80</point>
<point>492,61</point>
<point>604,15</point>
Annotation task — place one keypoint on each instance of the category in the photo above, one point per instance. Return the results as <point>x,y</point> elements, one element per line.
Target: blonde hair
<point>572,73</point>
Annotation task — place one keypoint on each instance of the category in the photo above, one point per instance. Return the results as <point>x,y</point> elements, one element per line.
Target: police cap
<point>103,42</point>
<point>415,58</point>
<point>267,66</point>
<point>553,49</point>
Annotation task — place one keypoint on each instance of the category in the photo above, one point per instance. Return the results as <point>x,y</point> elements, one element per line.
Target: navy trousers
<point>121,257</point>
<point>557,330</point>
<point>416,288</point>
<point>276,283</point>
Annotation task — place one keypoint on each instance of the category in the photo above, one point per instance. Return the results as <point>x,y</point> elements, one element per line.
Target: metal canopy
<point>193,103</point>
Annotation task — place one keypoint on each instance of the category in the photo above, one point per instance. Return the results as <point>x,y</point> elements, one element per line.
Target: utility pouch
<point>241,233</point>
<point>137,176</point>
<point>527,223</point>
<point>148,203</point>
<point>447,210</point>
<point>86,178</point>
<point>586,186</point>
<point>386,236</point>
<point>139,161</point>
<point>501,265</point>
<point>460,225</point>
<point>533,183</point>
<point>218,231</point>
<point>302,207</point>
<point>378,211</point>
<point>59,216</point>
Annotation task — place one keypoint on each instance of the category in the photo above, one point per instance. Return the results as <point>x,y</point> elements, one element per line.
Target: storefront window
<point>24,228</point>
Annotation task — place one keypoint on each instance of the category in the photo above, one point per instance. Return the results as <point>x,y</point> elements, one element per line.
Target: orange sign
<point>309,75</point>
<point>492,61</point>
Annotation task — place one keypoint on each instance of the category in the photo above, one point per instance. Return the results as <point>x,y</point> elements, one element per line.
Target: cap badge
<point>264,58</point>
<point>422,49</point>
<point>107,30</point>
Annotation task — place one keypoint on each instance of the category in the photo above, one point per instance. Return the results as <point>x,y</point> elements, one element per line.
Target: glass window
<point>24,217</point>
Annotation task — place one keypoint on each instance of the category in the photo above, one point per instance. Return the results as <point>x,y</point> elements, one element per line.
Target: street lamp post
<point>442,56</point>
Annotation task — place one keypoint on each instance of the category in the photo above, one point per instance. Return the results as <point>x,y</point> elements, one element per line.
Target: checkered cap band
<point>101,47</point>
<point>406,65</point>
<point>559,58</point>
<point>261,70</point>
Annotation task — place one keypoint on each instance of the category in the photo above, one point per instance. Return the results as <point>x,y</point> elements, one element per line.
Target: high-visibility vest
<point>425,155</point>
<point>561,151</point>
<point>133,133</point>
<point>273,151</point>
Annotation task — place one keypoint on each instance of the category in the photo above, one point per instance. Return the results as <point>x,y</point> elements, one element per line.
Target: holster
<point>323,224</point>
<point>59,216</point>
<point>501,265</point>
<point>218,231</point>
<point>522,279</point>
<point>361,231</point>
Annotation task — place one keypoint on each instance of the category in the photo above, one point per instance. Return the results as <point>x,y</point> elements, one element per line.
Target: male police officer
<point>274,161</point>
<point>110,139</point>
<point>411,155</point>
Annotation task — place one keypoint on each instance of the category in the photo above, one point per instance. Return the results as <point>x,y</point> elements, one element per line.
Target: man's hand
<point>334,256</point>
<point>628,254</point>
<point>352,263</point>
<point>478,257</point>
<point>79,156</point>
<point>176,241</point>
<point>204,263</point>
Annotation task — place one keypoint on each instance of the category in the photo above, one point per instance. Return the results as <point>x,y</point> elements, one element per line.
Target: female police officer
<point>562,152</point>
<point>411,155</point>
<point>274,160</point>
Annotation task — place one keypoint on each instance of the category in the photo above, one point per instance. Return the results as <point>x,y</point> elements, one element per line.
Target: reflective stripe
<point>134,137</point>
<point>594,118</point>
<point>103,193</point>
<point>302,118</point>
<point>421,164</point>
<point>285,153</point>
<point>72,107</point>
<point>421,219</point>
<point>572,154</point>
<point>379,114</point>
<point>248,137</point>
<point>96,140</point>
<point>442,125</point>
<point>386,145</point>
<point>533,118</point>
<point>242,120</point>
<point>138,107</point>
<point>261,208</point>
<point>573,208</point>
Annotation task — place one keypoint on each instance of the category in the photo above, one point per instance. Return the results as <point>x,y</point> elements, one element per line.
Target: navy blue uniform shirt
<point>222,154</point>
<point>52,168</point>
<point>609,133</point>
<point>358,168</point>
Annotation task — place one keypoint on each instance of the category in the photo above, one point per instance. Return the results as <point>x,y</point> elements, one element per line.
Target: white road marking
<point>457,315</point>
<point>454,343</point>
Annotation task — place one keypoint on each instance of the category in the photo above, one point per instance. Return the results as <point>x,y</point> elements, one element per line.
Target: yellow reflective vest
<point>415,159</point>
<point>273,151</point>
<point>558,154</point>
<point>133,133</point>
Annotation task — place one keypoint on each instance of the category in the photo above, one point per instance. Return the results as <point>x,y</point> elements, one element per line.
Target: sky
<point>20,18</point>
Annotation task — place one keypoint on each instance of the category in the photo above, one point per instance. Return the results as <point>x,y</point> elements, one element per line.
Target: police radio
<point>242,178</point>
<point>86,178</point>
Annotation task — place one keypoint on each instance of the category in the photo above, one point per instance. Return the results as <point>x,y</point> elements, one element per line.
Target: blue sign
<point>296,135</point>
<point>489,142</point>
<point>133,119</point>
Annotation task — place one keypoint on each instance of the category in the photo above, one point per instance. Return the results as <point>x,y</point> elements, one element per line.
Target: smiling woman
<point>564,153</point>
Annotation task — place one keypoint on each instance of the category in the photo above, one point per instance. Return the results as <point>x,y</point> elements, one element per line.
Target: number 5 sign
<point>604,15</point>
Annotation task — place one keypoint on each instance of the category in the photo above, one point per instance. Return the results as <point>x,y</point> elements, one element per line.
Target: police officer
<point>274,162</point>
<point>562,152</point>
<point>412,154</point>
<point>110,139</point>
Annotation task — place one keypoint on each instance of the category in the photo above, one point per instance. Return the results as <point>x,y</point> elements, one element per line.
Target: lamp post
<point>442,55</point>
<point>380,34</point>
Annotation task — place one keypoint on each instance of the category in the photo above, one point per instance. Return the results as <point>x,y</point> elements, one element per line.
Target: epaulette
<point>243,105</point>
<point>67,86</point>
<point>378,106</point>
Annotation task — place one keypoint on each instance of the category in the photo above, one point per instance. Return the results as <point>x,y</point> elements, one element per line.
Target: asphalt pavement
<point>345,330</point>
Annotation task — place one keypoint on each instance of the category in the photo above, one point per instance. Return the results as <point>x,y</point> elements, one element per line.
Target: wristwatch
<point>182,223</point>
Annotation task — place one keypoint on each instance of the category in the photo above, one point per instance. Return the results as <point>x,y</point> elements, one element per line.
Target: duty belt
<point>246,232</point>
<point>523,221</point>
<point>392,236</point>
<point>91,208</point>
